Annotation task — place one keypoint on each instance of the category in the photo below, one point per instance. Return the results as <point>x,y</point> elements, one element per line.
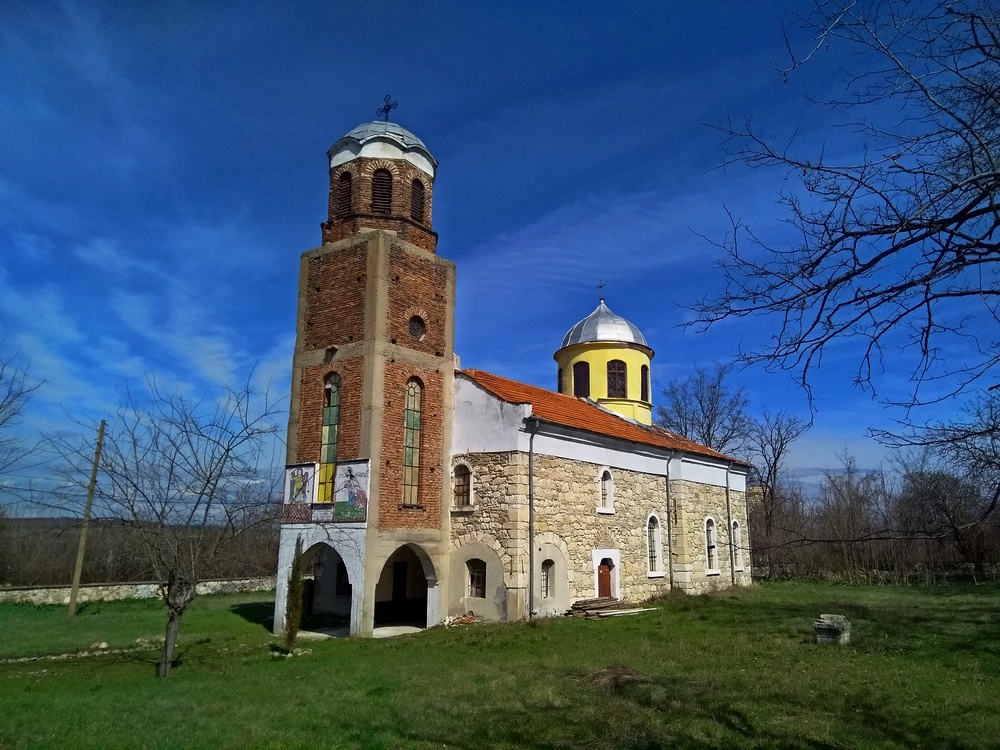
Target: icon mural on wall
<point>350,492</point>
<point>300,484</point>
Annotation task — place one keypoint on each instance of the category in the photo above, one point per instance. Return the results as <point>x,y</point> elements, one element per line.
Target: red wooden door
<point>604,580</point>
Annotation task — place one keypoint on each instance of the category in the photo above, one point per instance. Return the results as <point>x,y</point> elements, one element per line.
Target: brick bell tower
<point>371,396</point>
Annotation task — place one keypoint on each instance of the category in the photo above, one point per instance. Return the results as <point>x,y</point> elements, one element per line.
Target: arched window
<point>548,588</point>
<point>737,539</point>
<point>559,381</point>
<point>417,201</point>
<point>711,546</point>
<point>382,191</point>
<point>654,547</point>
<point>644,383</point>
<point>463,486</point>
<point>344,194</point>
<point>617,387</point>
<point>607,492</point>
<point>411,444</point>
<point>328,440</point>
<point>477,578</point>
<point>581,379</point>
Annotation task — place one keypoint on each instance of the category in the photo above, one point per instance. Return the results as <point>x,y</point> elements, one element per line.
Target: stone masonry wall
<point>694,503</point>
<point>106,592</point>
<point>567,494</point>
<point>499,509</point>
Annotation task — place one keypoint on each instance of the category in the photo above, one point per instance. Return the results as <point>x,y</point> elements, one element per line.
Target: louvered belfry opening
<point>382,192</point>
<point>417,201</point>
<point>344,194</point>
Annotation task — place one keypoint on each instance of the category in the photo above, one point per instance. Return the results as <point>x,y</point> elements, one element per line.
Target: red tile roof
<point>581,414</point>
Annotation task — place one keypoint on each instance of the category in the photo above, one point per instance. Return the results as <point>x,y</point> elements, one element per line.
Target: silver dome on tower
<point>604,325</point>
<point>385,130</point>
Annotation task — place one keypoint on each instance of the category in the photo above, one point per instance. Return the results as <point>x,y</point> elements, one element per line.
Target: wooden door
<point>604,579</point>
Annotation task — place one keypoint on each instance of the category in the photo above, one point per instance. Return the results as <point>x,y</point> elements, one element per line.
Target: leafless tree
<point>775,507</point>
<point>969,445</point>
<point>705,408</point>
<point>899,251</point>
<point>187,477</point>
<point>16,388</point>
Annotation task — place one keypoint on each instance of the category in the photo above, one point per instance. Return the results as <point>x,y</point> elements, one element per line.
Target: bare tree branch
<point>899,251</point>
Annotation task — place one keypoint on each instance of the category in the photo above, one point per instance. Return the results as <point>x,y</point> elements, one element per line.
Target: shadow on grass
<point>256,613</point>
<point>646,711</point>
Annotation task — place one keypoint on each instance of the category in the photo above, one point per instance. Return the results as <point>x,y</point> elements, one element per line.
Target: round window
<point>417,327</point>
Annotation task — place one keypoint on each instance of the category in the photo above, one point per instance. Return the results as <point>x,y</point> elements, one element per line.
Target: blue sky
<point>162,167</point>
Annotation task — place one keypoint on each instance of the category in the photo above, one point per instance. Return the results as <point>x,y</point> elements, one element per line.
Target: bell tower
<point>372,375</point>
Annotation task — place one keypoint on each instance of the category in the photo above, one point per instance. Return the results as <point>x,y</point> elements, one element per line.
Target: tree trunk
<point>179,594</point>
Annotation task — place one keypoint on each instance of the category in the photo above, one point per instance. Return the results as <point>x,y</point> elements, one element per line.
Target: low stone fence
<point>106,592</point>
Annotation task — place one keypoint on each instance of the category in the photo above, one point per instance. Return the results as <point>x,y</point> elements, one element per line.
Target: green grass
<point>730,671</point>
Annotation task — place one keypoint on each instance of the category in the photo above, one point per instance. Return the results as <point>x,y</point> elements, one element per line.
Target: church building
<point>420,490</point>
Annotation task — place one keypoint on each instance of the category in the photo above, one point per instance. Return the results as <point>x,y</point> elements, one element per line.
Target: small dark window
<point>547,582</point>
<point>417,201</point>
<point>382,192</point>
<point>417,327</point>
<point>344,194</point>
<point>644,373</point>
<point>463,486</point>
<point>711,542</point>
<point>581,379</point>
<point>616,379</point>
<point>559,381</point>
<point>607,491</point>
<point>477,578</point>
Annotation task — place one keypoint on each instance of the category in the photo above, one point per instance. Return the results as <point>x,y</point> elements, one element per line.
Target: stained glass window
<point>411,444</point>
<point>328,441</point>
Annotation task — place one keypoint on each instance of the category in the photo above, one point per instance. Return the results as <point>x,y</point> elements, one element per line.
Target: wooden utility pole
<point>86,522</point>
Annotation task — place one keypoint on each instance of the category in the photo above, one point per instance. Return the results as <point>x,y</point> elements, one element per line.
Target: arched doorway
<point>402,593</point>
<point>326,590</point>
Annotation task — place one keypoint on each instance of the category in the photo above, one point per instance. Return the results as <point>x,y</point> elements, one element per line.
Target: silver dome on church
<point>604,325</point>
<point>381,129</point>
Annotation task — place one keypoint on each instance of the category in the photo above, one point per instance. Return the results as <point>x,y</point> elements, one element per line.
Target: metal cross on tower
<point>601,288</point>
<point>387,106</point>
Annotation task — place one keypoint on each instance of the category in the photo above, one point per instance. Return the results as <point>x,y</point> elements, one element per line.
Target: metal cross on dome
<point>601,288</point>
<point>387,106</point>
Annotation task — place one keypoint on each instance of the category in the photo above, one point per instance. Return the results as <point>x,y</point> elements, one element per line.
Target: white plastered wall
<point>349,542</point>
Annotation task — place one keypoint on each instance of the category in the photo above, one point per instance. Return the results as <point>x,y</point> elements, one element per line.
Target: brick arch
<point>421,311</point>
<point>370,166</point>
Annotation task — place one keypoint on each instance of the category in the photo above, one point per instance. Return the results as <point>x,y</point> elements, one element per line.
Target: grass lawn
<point>727,671</point>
